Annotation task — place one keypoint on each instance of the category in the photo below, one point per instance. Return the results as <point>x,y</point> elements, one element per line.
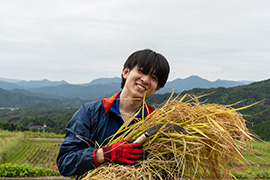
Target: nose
<point>145,79</point>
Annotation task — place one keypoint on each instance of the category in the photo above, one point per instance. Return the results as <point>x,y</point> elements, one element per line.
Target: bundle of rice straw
<point>217,136</point>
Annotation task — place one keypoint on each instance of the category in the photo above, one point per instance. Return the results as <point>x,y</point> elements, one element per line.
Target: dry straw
<point>217,136</point>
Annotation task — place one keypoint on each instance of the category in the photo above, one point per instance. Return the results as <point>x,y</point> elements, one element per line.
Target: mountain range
<point>101,87</point>
<point>10,84</point>
<point>40,100</point>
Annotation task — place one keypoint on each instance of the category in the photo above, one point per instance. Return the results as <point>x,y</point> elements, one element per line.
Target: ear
<point>125,72</point>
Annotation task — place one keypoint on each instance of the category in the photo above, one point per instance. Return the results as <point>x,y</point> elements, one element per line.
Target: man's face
<point>137,82</point>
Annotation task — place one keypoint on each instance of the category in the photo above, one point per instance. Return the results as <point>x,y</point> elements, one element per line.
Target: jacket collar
<point>107,103</point>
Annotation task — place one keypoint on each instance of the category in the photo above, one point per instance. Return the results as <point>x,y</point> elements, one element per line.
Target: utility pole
<point>44,126</point>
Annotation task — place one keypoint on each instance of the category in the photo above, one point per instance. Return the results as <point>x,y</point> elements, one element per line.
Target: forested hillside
<point>257,116</point>
<point>33,119</point>
<point>20,100</point>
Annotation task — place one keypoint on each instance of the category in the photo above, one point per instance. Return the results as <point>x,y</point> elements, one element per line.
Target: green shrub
<point>25,170</point>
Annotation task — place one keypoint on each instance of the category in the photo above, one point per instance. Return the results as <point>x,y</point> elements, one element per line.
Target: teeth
<point>139,86</point>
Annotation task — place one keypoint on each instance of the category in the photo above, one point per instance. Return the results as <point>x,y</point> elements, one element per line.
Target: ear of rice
<point>217,136</point>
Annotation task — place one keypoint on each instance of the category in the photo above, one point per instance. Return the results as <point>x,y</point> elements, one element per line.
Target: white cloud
<point>68,39</point>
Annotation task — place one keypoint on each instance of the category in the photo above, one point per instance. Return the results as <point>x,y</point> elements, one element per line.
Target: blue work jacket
<point>84,133</point>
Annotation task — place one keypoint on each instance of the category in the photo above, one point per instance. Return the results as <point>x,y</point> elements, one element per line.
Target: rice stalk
<point>216,137</point>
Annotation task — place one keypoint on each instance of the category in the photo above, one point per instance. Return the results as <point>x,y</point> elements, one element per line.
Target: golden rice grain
<point>217,135</point>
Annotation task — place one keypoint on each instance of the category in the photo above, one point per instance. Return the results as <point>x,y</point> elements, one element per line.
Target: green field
<point>20,151</point>
<point>36,153</point>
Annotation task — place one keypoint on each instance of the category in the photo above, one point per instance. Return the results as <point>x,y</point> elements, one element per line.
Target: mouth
<point>142,88</point>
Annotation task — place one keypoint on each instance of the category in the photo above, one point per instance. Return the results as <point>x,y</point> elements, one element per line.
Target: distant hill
<point>8,85</point>
<point>13,84</point>
<point>103,87</point>
<point>105,81</point>
<point>197,82</point>
<point>10,80</point>
<point>18,100</point>
<point>89,92</point>
<point>38,84</point>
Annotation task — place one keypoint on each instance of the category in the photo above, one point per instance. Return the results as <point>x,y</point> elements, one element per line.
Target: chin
<point>140,95</point>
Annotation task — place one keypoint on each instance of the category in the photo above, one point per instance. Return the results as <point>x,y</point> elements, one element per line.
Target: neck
<point>128,106</point>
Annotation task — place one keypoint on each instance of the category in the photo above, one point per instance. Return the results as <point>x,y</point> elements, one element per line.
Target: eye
<point>140,70</point>
<point>154,77</point>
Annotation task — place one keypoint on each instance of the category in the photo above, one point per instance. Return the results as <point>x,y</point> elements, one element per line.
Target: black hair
<point>150,62</point>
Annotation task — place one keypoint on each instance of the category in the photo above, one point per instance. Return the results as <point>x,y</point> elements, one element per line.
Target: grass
<point>10,143</point>
<point>260,154</point>
<point>6,136</point>
<point>259,162</point>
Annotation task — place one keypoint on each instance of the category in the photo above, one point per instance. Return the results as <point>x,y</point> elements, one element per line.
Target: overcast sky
<point>81,40</point>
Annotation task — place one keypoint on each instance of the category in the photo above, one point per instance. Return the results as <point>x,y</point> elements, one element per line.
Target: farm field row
<point>37,153</point>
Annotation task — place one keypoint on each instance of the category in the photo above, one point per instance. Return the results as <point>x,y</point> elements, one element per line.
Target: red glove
<point>124,152</point>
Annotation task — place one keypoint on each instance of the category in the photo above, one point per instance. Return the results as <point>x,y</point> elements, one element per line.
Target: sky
<point>82,40</point>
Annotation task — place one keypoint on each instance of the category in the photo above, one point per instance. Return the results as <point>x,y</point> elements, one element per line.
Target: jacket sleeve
<point>77,154</point>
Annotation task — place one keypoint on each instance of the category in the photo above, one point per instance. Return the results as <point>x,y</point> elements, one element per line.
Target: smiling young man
<point>144,72</point>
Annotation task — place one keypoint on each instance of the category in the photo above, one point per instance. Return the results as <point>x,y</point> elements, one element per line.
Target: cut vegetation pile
<point>217,135</point>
